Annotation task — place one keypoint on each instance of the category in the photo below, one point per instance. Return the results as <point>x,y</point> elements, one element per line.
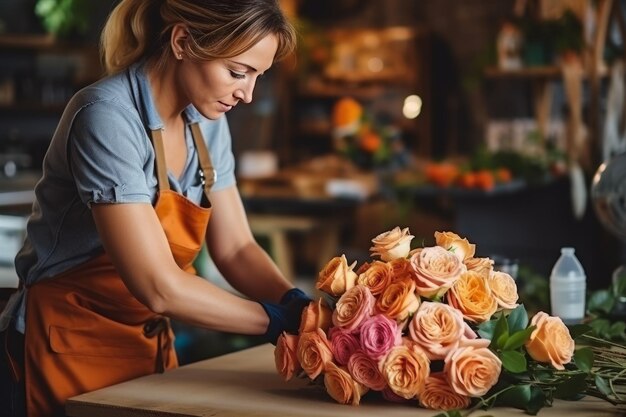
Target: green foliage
<point>604,309</point>
<point>63,17</point>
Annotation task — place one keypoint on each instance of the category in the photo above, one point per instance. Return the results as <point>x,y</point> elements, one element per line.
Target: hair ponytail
<point>130,34</point>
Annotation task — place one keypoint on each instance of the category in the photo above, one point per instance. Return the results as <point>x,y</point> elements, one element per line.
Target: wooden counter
<point>246,384</point>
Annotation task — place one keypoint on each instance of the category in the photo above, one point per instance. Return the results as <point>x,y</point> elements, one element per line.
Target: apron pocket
<point>90,343</point>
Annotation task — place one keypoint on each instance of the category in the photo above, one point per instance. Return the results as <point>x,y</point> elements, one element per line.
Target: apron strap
<point>161,168</point>
<point>206,166</point>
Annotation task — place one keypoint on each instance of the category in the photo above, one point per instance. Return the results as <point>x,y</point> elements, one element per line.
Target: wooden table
<point>246,384</point>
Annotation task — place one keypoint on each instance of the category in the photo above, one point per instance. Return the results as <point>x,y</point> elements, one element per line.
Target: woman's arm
<point>244,264</point>
<point>135,241</point>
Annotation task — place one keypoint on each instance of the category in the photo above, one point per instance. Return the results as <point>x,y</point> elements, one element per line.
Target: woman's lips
<point>225,107</point>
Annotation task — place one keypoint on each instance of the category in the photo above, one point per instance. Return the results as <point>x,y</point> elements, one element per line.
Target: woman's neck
<point>166,94</point>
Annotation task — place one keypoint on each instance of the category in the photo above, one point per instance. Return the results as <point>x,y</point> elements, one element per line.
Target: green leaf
<point>516,397</point>
<point>578,330</point>
<point>617,330</point>
<point>600,301</point>
<point>603,386</point>
<point>486,329</point>
<point>537,401</point>
<point>600,327</point>
<point>571,387</point>
<point>518,319</point>
<point>517,339</point>
<point>500,333</point>
<point>583,358</point>
<point>513,361</point>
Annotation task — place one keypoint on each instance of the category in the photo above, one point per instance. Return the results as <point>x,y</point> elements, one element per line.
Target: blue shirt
<point>101,152</point>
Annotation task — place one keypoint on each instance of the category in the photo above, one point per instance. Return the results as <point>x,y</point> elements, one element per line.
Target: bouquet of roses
<point>440,327</point>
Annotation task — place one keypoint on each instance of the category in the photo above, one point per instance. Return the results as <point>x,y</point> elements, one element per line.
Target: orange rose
<point>436,270</point>
<point>504,290</point>
<point>316,315</point>
<point>483,266</point>
<point>393,244</point>
<point>398,300</point>
<point>405,368</point>
<point>353,307</point>
<point>438,329</point>
<point>285,356</point>
<point>377,277</point>
<point>472,370</point>
<point>401,267</point>
<point>472,296</point>
<point>439,395</point>
<point>314,352</point>
<point>365,370</point>
<point>453,243</point>
<point>341,387</point>
<point>550,342</point>
<point>336,277</point>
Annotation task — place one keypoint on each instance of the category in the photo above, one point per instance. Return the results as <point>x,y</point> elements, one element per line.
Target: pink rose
<point>436,270</point>
<point>343,344</point>
<point>314,352</point>
<point>285,356</point>
<point>550,342</point>
<point>378,334</point>
<point>353,307</point>
<point>365,370</point>
<point>472,370</point>
<point>438,328</point>
<point>393,244</point>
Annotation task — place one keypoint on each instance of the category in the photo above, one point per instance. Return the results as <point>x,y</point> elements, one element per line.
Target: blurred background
<point>489,118</point>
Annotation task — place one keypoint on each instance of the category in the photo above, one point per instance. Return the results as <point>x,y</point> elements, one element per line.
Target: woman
<point>123,206</point>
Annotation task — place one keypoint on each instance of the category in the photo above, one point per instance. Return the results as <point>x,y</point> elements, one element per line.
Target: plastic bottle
<point>567,288</point>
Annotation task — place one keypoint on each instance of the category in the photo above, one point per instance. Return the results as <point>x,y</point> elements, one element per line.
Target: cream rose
<point>286,357</point>
<point>336,277</point>
<point>452,242</point>
<point>353,307</point>
<point>314,352</point>
<point>316,315</point>
<point>436,270</point>
<point>393,244</point>
<point>398,300</point>
<point>504,290</point>
<point>377,277</point>
<point>483,266</point>
<point>405,369</point>
<point>550,342</point>
<point>438,328</point>
<point>472,370</point>
<point>439,395</point>
<point>472,296</point>
<point>341,386</point>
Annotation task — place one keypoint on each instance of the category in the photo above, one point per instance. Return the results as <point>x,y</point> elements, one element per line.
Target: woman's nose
<point>245,92</point>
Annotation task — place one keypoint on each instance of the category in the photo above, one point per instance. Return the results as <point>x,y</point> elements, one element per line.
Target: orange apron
<point>85,330</point>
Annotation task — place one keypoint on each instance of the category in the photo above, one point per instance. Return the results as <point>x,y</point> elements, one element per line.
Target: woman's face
<point>214,87</point>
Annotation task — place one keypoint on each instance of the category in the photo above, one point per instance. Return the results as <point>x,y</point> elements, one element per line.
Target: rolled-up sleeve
<point>108,153</point>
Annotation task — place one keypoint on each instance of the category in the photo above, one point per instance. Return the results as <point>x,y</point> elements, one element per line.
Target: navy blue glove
<point>278,315</point>
<point>297,296</point>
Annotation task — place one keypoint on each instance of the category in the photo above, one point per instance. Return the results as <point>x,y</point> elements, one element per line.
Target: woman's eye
<point>237,75</point>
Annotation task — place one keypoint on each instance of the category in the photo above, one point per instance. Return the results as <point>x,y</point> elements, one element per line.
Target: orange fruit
<point>346,111</point>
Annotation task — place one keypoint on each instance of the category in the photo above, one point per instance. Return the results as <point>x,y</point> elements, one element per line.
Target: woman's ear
<point>178,40</point>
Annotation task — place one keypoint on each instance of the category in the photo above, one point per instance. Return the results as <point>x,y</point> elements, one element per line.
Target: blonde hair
<point>141,29</point>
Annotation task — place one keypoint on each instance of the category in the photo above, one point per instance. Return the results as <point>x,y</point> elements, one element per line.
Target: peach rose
<point>550,342</point>
<point>314,352</point>
<point>483,266</point>
<point>364,267</point>
<point>378,334</point>
<point>285,356</point>
<point>472,296</point>
<point>398,300</point>
<point>341,386</point>
<point>336,277</point>
<point>405,369</point>
<point>472,370</point>
<point>365,371</point>
<point>453,243</point>
<point>401,268</point>
<point>316,315</point>
<point>393,244</point>
<point>353,307</point>
<point>343,344</point>
<point>377,277</point>
<point>439,395</point>
<point>504,290</point>
<point>436,270</point>
<point>438,329</point>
